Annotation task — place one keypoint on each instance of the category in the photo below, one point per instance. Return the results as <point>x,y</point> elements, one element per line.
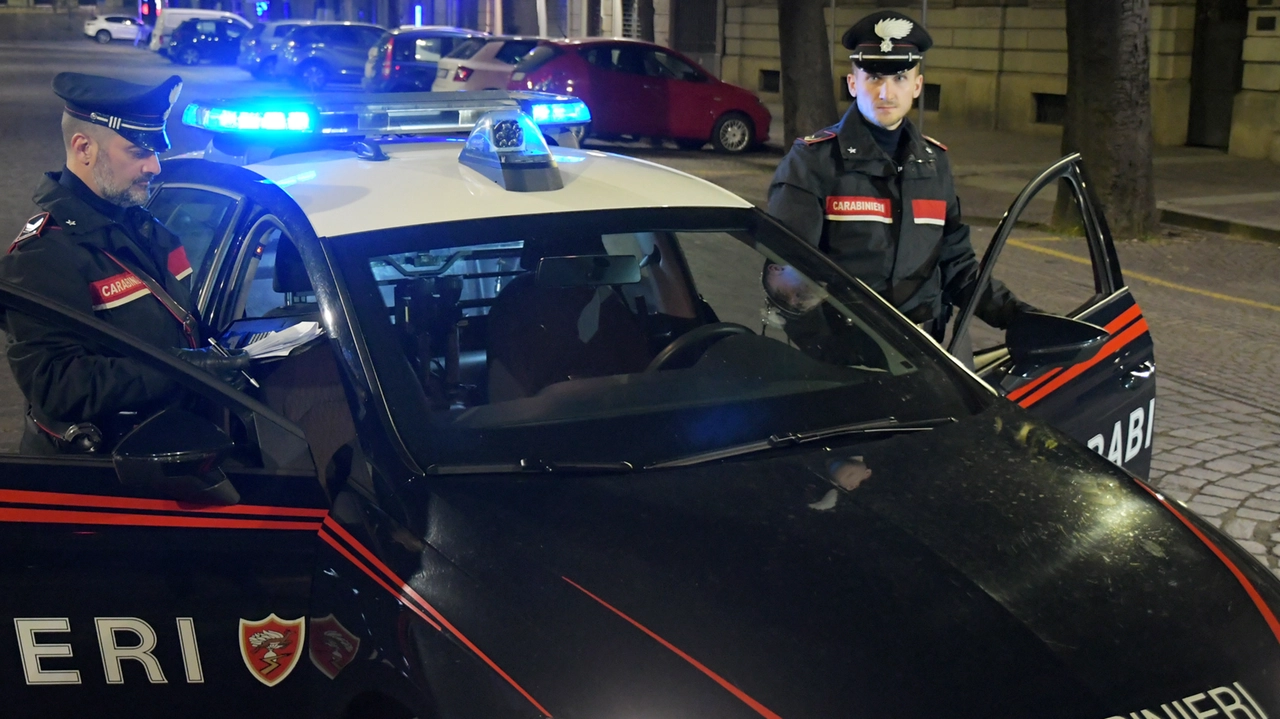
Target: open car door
<point>1086,364</point>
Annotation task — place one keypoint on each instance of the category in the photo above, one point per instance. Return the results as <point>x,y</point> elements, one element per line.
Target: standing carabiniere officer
<point>95,249</point>
<point>877,196</point>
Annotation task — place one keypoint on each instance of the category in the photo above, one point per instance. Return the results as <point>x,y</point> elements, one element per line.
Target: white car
<point>105,28</point>
<point>482,63</point>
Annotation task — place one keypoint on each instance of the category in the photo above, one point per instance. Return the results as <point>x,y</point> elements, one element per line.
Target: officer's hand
<point>229,369</point>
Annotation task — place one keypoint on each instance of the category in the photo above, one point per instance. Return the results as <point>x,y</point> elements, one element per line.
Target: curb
<point>1214,224</point>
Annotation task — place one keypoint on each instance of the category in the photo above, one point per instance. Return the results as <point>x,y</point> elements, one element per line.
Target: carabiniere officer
<point>95,249</point>
<point>877,196</point>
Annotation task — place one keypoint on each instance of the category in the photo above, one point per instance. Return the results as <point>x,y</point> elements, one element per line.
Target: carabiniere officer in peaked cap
<point>878,197</point>
<point>95,249</point>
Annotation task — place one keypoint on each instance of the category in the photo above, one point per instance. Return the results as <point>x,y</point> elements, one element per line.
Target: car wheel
<point>687,144</point>
<point>103,37</point>
<point>733,133</point>
<point>313,76</point>
<point>265,69</point>
<point>188,56</point>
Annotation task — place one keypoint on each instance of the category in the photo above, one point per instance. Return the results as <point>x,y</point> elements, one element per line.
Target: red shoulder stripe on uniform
<point>819,136</point>
<point>933,141</point>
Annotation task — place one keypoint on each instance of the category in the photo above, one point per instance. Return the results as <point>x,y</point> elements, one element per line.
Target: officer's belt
<point>190,326</point>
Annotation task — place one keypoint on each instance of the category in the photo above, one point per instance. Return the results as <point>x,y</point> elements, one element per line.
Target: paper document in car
<point>281,342</point>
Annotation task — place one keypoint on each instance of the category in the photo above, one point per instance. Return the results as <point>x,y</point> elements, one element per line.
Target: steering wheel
<point>699,338</point>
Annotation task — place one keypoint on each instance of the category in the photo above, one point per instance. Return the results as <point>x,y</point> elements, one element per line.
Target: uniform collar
<point>67,200</point>
<point>857,146</point>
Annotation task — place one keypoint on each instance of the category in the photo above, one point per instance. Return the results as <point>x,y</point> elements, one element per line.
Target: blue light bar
<point>560,113</point>
<point>220,119</point>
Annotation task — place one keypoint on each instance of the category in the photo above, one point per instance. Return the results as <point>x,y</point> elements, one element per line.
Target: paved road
<point>1213,302</point>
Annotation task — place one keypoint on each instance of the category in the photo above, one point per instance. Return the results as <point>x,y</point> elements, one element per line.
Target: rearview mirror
<point>588,271</point>
<point>1037,340</point>
<point>176,454</point>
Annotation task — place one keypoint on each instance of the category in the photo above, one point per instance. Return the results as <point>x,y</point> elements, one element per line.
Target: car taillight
<point>386,60</point>
<point>462,73</point>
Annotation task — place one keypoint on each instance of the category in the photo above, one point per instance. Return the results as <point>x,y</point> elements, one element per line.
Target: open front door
<point>1105,396</point>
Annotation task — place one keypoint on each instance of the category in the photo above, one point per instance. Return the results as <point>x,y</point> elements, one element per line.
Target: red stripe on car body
<point>759,708</point>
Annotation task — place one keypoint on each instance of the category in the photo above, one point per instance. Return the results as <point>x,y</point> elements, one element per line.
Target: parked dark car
<point>216,40</point>
<point>406,59</point>
<point>260,47</point>
<point>315,55</point>
<point>639,89</point>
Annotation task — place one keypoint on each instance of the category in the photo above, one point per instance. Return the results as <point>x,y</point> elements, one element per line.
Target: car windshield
<point>626,336</point>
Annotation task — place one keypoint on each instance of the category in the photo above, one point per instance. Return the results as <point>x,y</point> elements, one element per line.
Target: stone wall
<point>989,61</point>
<point>1256,115</point>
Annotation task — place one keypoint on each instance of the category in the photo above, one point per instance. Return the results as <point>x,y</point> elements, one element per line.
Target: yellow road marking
<point>1147,278</point>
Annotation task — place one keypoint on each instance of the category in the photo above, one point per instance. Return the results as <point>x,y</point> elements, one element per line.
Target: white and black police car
<point>534,441</point>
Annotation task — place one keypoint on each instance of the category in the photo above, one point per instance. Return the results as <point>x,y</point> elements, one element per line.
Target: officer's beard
<point>124,193</point>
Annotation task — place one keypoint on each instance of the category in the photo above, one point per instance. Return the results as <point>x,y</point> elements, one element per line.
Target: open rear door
<point>1107,399</point>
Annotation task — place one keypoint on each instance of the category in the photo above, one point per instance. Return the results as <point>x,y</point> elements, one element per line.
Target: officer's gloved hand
<point>229,368</point>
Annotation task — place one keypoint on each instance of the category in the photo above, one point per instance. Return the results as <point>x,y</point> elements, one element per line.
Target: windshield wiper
<point>532,466</point>
<point>888,425</point>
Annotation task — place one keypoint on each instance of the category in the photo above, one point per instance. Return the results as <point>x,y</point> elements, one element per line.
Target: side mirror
<point>176,454</point>
<point>1037,340</point>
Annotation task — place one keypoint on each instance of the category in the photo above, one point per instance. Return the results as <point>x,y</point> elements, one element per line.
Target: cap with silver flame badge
<point>887,42</point>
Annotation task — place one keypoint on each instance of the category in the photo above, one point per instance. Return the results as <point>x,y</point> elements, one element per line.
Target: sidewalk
<point>1195,186</point>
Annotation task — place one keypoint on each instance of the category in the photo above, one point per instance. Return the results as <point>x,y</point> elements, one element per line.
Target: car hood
<point>989,568</point>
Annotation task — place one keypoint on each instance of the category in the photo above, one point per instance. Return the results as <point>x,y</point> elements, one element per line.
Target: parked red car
<point>644,90</point>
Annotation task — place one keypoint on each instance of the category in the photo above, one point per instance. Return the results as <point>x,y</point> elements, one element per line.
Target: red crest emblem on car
<point>332,646</point>
<point>270,647</point>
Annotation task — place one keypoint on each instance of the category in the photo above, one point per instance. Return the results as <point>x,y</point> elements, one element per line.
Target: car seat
<point>542,335</point>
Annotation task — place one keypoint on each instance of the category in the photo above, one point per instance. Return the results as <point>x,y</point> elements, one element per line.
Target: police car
<point>531,439</point>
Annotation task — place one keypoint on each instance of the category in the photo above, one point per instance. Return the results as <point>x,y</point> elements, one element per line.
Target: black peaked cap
<point>137,112</point>
<point>887,42</point>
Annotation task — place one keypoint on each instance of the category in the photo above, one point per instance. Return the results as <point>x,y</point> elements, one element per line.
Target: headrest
<point>290,274</point>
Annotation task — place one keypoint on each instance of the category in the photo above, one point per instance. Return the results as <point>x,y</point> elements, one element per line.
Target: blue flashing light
<point>261,7</point>
<point>417,16</point>
<point>221,119</point>
<point>560,113</point>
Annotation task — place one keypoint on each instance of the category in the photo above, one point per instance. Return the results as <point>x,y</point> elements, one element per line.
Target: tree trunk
<point>644,19</point>
<point>1109,109</point>
<point>808,103</point>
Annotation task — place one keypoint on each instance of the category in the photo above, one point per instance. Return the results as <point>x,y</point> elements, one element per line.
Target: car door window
<point>669,66</point>
<point>366,37</point>
<point>233,29</point>
<point>1046,262</point>
<point>207,27</point>
<point>428,49</point>
<point>511,51</point>
<point>269,276</point>
<point>201,218</point>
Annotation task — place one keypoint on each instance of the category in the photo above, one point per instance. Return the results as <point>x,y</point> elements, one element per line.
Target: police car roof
<point>425,183</point>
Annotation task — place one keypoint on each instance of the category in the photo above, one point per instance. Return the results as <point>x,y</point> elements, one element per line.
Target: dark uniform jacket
<point>894,226</point>
<point>62,254</point>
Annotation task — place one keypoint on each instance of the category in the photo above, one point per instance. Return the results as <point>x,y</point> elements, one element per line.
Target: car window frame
<point>204,283</point>
<point>30,303</point>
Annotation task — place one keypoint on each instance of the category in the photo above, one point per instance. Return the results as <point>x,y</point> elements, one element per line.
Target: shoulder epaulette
<point>35,227</point>
<point>819,136</point>
<point>932,141</point>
